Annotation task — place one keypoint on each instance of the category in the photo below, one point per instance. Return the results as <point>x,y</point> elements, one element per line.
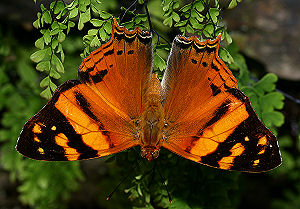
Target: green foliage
<point>41,184</point>
<point>198,17</point>
<point>49,185</point>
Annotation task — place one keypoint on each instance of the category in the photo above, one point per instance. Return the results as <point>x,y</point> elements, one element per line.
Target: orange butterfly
<point>197,111</point>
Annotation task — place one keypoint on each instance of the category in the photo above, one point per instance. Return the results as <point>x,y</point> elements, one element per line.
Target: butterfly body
<point>197,111</point>
<point>152,120</point>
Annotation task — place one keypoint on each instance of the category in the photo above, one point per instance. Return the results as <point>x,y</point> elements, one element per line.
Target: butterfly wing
<point>94,116</point>
<point>209,119</point>
<point>119,70</point>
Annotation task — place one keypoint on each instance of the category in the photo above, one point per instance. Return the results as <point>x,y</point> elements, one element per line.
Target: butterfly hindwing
<point>219,127</point>
<point>75,124</point>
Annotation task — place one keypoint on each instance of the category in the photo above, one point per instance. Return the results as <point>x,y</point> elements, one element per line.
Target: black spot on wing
<point>98,77</point>
<point>204,64</point>
<point>109,52</point>
<point>210,49</point>
<point>85,106</point>
<point>130,52</point>
<point>215,89</point>
<point>119,52</point>
<point>214,67</point>
<point>219,113</point>
<point>194,61</point>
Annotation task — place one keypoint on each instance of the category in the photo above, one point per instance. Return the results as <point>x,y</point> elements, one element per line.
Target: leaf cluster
<point>198,17</point>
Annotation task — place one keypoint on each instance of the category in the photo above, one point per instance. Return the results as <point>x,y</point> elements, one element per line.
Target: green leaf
<point>43,66</point>
<point>273,118</point>
<point>159,62</point>
<point>97,22</point>
<point>181,23</point>
<point>57,63</point>
<point>168,21</point>
<point>199,6</point>
<point>54,74</point>
<point>176,5</point>
<point>228,37</point>
<point>46,93</point>
<point>213,14</point>
<point>197,15</point>
<point>61,36</point>
<point>80,24</point>
<point>166,5</point>
<point>59,7</point>
<point>105,15</point>
<point>52,86</point>
<point>47,17</point>
<point>195,24</point>
<point>233,3</point>
<point>266,84</point>
<point>175,17</point>
<point>178,203</point>
<point>102,34</point>
<point>95,42</point>
<point>36,24</point>
<point>70,25</point>
<point>208,30</point>
<point>45,82</point>
<point>54,31</point>
<point>73,13</point>
<point>39,43</point>
<point>92,32</point>
<point>54,44</point>
<point>190,29</point>
<point>86,16</point>
<point>270,101</point>
<point>107,27</point>
<point>185,8</point>
<point>38,55</point>
<point>226,56</point>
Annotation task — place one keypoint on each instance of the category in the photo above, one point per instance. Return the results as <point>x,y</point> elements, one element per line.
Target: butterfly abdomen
<point>152,120</point>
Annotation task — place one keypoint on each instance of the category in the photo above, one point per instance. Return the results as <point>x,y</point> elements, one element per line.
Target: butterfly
<point>197,111</point>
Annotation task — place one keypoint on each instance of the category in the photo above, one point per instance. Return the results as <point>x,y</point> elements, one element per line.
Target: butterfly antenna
<point>165,185</point>
<point>122,181</point>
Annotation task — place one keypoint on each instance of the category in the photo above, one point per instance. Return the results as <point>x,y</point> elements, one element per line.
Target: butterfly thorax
<point>152,120</point>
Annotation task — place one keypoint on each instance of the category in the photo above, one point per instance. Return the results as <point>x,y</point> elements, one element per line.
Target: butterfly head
<point>149,152</point>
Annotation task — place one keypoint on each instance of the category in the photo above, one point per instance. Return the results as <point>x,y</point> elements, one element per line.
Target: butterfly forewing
<point>120,69</point>
<point>95,116</point>
<point>208,119</point>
